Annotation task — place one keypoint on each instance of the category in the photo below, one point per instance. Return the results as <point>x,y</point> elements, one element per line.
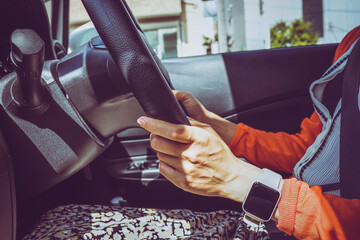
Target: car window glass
<point>181,28</point>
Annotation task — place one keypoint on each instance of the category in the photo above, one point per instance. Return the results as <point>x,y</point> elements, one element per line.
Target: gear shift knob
<point>27,56</point>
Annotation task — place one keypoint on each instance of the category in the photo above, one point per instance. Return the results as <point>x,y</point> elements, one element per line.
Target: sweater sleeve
<point>308,213</point>
<point>281,151</point>
<point>276,151</point>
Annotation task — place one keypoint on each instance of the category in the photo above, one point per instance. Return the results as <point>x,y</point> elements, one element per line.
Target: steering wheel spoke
<point>133,55</point>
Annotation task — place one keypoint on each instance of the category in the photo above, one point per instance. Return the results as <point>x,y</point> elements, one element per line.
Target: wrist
<point>224,128</point>
<point>275,216</point>
<point>246,174</point>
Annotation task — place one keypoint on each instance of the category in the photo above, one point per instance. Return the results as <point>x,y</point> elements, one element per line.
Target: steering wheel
<point>133,55</point>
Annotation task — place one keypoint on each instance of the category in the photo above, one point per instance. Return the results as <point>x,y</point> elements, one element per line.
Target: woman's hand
<point>193,107</point>
<point>197,111</point>
<point>196,159</point>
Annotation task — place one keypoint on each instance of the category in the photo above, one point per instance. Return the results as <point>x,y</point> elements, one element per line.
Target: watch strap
<point>270,178</point>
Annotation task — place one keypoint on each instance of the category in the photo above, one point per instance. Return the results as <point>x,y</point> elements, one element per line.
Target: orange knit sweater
<point>306,213</point>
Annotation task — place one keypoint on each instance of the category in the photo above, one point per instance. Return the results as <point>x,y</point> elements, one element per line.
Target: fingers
<point>181,165</point>
<point>177,163</point>
<point>175,132</point>
<point>171,174</point>
<point>204,126</point>
<point>181,96</point>
<point>174,162</point>
<point>188,100</point>
<point>196,123</point>
<point>167,146</point>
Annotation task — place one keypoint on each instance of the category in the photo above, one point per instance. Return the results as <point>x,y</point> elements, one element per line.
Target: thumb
<point>203,126</point>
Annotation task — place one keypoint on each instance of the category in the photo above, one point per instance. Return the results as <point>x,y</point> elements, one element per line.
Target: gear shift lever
<point>27,56</point>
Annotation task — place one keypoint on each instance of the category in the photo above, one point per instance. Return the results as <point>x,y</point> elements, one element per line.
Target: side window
<point>181,28</point>
<point>164,39</point>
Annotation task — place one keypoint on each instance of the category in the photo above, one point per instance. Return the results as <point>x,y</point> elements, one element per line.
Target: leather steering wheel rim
<point>140,66</point>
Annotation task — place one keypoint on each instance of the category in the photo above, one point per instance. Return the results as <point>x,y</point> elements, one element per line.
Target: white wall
<point>339,18</point>
<point>194,26</point>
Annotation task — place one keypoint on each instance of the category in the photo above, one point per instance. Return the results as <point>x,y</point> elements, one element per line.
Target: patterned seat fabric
<point>109,222</point>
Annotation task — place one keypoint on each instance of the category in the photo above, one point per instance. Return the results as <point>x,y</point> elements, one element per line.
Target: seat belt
<point>350,128</point>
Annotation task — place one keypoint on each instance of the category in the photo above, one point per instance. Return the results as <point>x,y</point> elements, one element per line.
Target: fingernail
<point>141,121</point>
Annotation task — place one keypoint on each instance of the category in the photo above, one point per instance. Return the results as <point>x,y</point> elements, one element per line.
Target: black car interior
<point>69,131</point>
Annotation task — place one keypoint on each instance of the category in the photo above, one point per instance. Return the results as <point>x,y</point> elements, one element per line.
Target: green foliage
<point>207,42</point>
<point>297,33</point>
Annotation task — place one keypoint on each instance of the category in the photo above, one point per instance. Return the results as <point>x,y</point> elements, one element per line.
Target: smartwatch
<point>262,199</point>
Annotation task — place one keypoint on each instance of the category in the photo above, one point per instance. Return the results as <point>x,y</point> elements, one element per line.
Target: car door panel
<point>236,83</point>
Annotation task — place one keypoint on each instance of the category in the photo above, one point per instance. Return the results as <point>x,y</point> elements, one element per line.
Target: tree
<point>298,33</point>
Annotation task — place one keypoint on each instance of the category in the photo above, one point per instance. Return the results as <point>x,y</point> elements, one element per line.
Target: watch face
<point>261,201</point>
